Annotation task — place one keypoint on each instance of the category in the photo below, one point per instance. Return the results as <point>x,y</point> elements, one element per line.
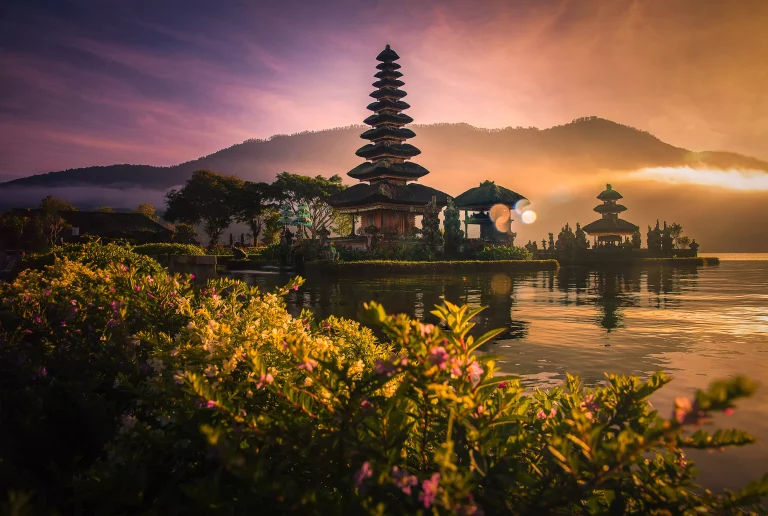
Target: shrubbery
<point>173,249</point>
<point>503,252</point>
<point>129,391</point>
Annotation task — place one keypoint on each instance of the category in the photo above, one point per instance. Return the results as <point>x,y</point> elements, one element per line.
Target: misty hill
<point>580,147</point>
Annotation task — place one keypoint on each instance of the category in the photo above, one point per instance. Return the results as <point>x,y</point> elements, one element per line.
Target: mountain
<point>559,169</point>
<point>585,144</point>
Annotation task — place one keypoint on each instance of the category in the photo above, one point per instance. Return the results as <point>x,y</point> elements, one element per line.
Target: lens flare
<point>502,224</point>
<point>528,217</point>
<point>521,206</point>
<point>499,212</point>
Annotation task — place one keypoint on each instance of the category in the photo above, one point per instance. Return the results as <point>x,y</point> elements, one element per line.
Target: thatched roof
<point>384,192</point>
<point>387,66</point>
<point>388,74</point>
<point>609,194</point>
<point>405,170</point>
<point>402,150</point>
<point>485,196</point>
<point>382,118</point>
<point>609,208</point>
<point>388,83</point>
<point>397,105</point>
<point>105,224</point>
<point>387,55</point>
<point>388,94</point>
<point>387,132</point>
<point>610,226</point>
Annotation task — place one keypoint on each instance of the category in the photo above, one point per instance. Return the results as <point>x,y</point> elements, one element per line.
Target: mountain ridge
<point>588,143</point>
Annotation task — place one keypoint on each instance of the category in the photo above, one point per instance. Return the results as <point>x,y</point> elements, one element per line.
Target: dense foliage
<point>452,225</point>
<point>503,252</point>
<point>174,249</point>
<point>127,390</point>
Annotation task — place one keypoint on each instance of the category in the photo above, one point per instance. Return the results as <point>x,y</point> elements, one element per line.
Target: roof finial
<point>608,187</point>
<point>387,47</point>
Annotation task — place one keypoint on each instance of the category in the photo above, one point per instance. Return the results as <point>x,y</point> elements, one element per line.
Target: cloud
<point>747,180</point>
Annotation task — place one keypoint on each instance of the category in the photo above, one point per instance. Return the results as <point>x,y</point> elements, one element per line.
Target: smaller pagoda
<point>483,201</point>
<point>610,230</point>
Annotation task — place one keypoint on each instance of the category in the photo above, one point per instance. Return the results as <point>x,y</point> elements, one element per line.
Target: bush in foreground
<point>216,400</point>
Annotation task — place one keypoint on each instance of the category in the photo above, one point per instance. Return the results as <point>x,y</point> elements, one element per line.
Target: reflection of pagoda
<point>610,229</point>
<point>387,200</point>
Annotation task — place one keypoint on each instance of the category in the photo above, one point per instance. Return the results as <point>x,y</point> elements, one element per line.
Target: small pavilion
<point>492,207</point>
<point>610,230</point>
<point>386,196</point>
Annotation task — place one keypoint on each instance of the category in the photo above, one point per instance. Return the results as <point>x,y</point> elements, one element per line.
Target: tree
<point>251,204</point>
<point>581,238</point>
<point>452,225</point>
<point>636,243</point>
<point>676,233</point>
<point>205,199</point>
<point>341,223</point>
<point>105,209</point>
<point>295,189</point>
<point>430,224</point>
<point>53,223</point>
<point>185,233</point>
<point>271,227</point>
<point>148,210</point>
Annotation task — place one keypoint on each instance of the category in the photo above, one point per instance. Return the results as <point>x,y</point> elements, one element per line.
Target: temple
<point>492,206</point>
<point>610,230</point>
<point>386,197</point>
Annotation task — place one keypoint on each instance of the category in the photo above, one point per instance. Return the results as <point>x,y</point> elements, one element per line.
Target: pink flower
<point>309,365</point>
<point>429,490</point>
<point>210,404</point>
<point>403,480</point>
<point>384,367</point>
<point>265,379</point>
<point>192,276</point>
<point>296,287</point>
<point>366,405</point>
<point>729,411</point>
<point>456,367</point>
<point>589,405</point>
<point>74,302</point>
<point>326,325</point>
<point>687,412</point>
<point>439,357</point>
<point>137,287</point>
<point>480,409</point>
<point>365,472</point>
<point>541,415</point>
<point>426,329</point>
<point>36,319</point>
<point>47,292</point>
<point>475,372</point>
<point>42,372</point>
<point>502,385</point>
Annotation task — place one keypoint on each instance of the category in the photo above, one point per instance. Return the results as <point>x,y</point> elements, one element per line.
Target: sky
<point>97,82</point>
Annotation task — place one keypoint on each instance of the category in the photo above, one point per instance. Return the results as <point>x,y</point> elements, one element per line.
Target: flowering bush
<point>216,400</point>
<point>170,248</point>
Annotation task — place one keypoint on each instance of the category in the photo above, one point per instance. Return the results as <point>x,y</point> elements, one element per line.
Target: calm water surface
<point>698,324</point>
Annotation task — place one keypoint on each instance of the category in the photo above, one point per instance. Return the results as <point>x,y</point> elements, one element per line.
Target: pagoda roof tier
<point>402,150</point>
<point>387,55</point>
<point>388,83</point>
<point>387,66</point>
<point>395,133</point>
<point>485,196</point>
<point>610,226</point>
<point>609,208</point>
<point>396,105</point>
<point>388,94</point>
<point>388,74</point>
<point>405,170</point>
<point>385,193</point>
<point>385,118</point>
<point>609,194</point>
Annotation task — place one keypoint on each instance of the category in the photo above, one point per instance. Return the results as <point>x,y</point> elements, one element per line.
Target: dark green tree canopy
<point>207,198</point>
<point>295,189</point>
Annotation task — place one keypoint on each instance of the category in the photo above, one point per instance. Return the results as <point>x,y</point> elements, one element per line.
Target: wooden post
<point>466,226</point>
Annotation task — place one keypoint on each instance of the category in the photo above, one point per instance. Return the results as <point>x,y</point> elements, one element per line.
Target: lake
<point>697,323</point>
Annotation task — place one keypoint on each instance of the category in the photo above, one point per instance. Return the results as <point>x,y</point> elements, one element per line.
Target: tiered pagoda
<point>386,196</point>
<point>610,230</point>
